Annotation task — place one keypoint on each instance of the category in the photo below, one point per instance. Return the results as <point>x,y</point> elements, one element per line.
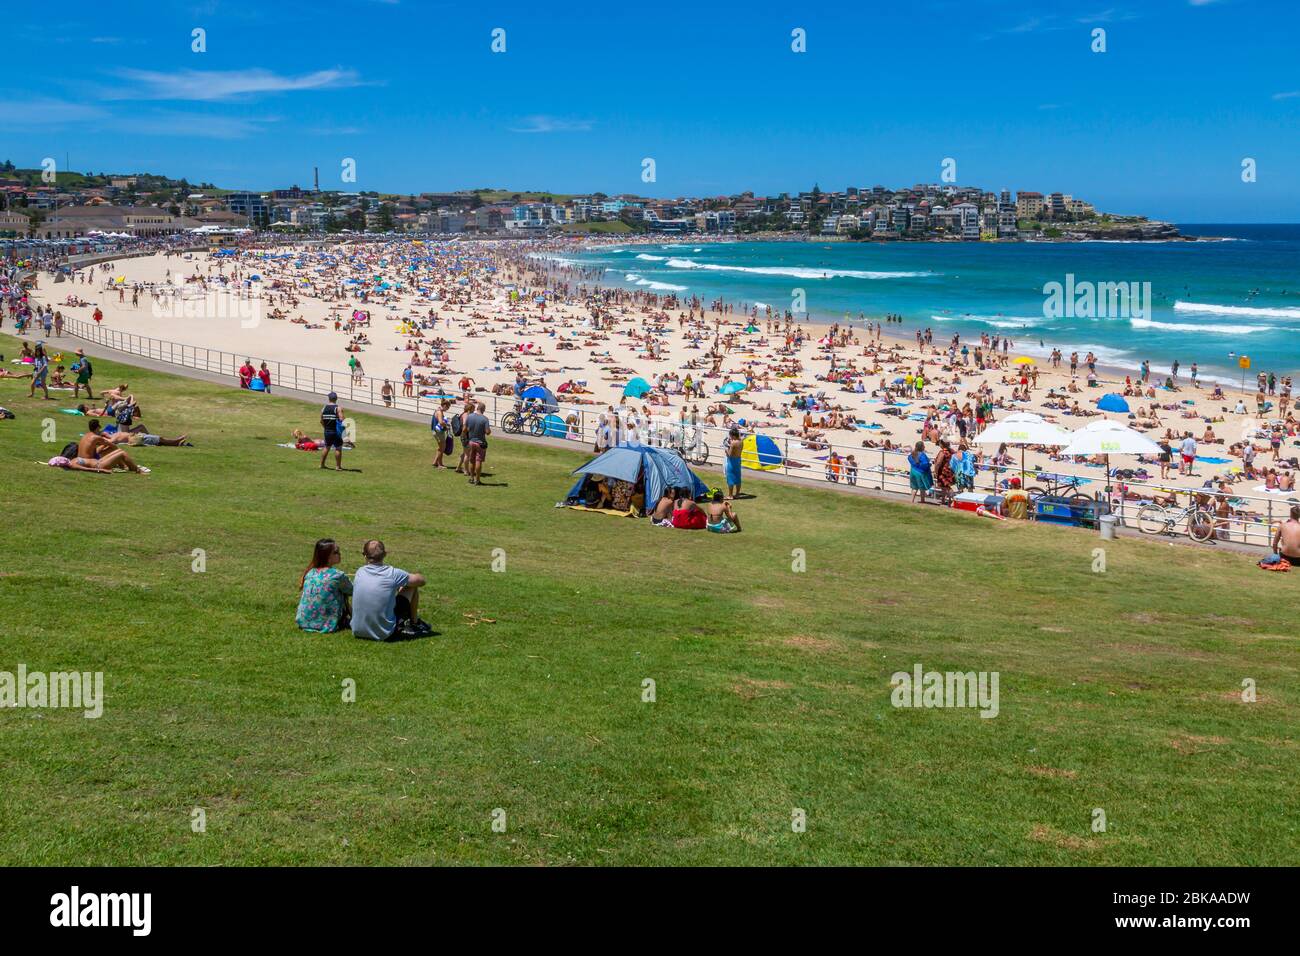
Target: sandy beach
<point>491,312</point>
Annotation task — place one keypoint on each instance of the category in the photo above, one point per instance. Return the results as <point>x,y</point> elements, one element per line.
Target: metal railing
<point>1250,522</point>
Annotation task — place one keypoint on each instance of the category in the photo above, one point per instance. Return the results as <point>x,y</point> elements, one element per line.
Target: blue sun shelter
<point>539,393</point>
<point>761,453</point>
<point>659,467</point>
<point>555,427</point>
<point>636,388</point>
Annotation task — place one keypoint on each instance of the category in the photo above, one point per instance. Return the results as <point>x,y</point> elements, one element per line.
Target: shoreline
<point>492,335</point>
<point>1209,372</point>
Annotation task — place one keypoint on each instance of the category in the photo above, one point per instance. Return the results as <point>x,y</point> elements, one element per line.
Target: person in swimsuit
<point>1286,539</point>
<point>722,517</point>
<point>734,449</point>
<point>687,515</point>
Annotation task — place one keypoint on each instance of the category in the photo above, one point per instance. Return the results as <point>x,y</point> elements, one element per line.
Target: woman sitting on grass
<point>323,607</point>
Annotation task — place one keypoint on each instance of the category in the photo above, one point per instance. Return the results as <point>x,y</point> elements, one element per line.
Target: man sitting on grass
<point>385,600</point>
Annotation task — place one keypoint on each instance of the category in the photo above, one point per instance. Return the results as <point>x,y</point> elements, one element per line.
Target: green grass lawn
<point>606,226</point>
<point>1118,690</point>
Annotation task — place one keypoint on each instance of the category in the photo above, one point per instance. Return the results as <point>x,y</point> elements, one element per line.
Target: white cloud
<point>551,124</point>
<point>41,111</point>
<point>224,85</point>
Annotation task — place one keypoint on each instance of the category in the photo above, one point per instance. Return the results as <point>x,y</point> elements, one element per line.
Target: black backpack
<point>69,450</point>
<point>455,424</point>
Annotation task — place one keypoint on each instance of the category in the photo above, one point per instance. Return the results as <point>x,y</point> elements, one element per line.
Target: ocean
<point>1211,302</point>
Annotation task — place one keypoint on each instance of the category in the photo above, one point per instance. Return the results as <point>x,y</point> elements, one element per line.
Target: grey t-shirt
<point>374,600</point>
<point>476,427</point>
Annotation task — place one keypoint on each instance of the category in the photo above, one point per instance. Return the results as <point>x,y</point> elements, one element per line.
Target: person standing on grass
<point>246,373</point>
<point>264,374</point>
<point>734,447</point>
<point>921,478</point>
<point>441,432</point>
<point>458,429</point>
<point>476,429</point>
<point>85,372</point>
<point>331,423</point>
<point>41,369</point>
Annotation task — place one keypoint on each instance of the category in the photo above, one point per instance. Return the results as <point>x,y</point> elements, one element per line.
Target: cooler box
<point>1055,510</point>
<point>973,501</point>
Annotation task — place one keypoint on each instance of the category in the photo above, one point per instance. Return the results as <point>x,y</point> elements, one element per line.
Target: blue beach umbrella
<point>1112,402</point>
<point>731,388</point>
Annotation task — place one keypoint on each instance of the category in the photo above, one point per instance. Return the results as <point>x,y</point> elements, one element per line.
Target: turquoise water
<point>1209,302</point>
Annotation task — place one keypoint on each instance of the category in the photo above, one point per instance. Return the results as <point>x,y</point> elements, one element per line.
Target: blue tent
<point>555,427</point>
<point>660,467</point>
<point>549,402</point>
<point>636,388</point>
<point>1112,403</point>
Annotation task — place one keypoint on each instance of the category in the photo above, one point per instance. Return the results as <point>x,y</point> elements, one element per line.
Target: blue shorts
<point>732,471</point>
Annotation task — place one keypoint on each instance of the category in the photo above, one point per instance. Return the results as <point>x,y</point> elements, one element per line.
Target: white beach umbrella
<point>1023,428</point>
<point>1104,437</point>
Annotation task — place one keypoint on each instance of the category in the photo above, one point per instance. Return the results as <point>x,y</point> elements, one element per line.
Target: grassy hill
<point>611,227</point>
<point>1118,690</point>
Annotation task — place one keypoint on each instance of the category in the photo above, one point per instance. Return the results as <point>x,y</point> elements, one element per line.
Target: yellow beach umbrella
<point>1024,360</point>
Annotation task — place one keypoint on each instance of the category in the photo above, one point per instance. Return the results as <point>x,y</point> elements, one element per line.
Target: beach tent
<point>1023,428</point>
<point>660,467</point>
<point>761,453</point>
<point>544,395</point>
<point>636,388</point>
<point>555,427</point>
<point>1112,402</point>
<point>1104,437</point>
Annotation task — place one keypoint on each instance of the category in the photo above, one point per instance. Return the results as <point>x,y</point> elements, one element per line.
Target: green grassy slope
<point>1119,690</point>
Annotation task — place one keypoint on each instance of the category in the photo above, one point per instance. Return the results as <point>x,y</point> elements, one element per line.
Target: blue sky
<point>1157,124</point>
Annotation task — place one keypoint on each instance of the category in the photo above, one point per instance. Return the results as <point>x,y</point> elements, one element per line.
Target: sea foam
<point>797,272</point>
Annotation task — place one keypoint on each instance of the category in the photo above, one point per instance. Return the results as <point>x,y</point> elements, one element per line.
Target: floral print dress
<point>324,600</point>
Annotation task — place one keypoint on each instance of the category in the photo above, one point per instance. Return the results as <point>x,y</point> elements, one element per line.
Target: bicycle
<point>515,422</point>
<point>1157,519</point>
<point>695,451</point>
<point>1060,486</point>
